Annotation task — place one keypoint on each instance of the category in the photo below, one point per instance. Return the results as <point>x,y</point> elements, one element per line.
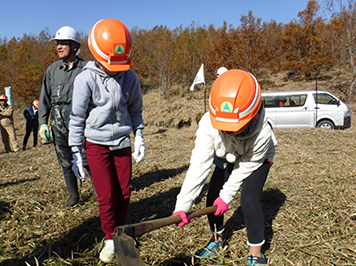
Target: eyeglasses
<point>59,42</point>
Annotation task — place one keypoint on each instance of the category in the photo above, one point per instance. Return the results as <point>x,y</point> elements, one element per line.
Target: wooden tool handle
<point>202,212</point>
<point>138,229</point>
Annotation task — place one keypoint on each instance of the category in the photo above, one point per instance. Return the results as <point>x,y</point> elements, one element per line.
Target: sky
<point>19,17</point>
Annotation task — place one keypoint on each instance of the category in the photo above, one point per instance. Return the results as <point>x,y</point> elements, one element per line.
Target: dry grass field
<point>309,198</point>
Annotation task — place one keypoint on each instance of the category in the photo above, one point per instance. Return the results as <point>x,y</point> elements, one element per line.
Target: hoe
<point>125,250</point>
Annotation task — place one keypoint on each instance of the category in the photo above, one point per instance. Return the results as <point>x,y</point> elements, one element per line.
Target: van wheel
<point>325,124</point>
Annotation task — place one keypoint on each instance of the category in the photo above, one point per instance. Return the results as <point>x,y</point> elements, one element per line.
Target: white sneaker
<point>107,254</point>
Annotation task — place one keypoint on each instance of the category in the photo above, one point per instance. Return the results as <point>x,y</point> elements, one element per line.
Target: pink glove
<point>183,216</point>
<point>221,206</point>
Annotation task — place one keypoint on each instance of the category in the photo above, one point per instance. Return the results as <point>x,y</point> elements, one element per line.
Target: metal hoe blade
<point>125,249</point>
<point>126,252</point>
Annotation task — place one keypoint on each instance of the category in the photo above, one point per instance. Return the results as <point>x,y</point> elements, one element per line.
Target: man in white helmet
<point>219,71</point>
<point>55,103</point>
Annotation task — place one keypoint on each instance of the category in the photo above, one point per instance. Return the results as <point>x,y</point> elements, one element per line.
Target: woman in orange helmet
<point>7,125</point>
<point>31,116</point>
<point>106,109</point>
<point>236,137</point>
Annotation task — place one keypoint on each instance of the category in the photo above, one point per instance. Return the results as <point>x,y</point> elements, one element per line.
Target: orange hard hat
<point>3,98</point>
<point>36,103</point>
<point>110,43</point>
<point>235,99</point>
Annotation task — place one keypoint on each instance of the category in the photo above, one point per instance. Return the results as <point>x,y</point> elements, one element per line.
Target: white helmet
<point>67,33</point>
<point>220,70</point>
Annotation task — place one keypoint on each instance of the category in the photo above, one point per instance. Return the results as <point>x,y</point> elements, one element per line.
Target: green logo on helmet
<point>226,107</point>
<point>119,49</point>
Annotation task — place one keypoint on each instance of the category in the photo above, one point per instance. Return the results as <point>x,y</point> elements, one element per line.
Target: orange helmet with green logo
<point>235,99</point>
<point>109,42</point>
<point>3,98</point>
<point>36,103</point>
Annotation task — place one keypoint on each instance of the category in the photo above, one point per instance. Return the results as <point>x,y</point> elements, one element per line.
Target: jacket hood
<point>92,66</point>
<point>254,126</point>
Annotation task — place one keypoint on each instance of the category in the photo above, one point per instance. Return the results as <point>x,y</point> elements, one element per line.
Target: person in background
<point>31,116</point>
<point>235,136</point>
<point>7,125</point>
<point>281,102</point>
<point>106,108</point>
<point>219,71</point>
<point>55,104</point>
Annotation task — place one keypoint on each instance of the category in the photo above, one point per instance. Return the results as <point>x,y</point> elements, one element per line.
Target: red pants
<point>111,172</point>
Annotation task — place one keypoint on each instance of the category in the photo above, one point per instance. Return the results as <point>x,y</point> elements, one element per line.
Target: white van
<point>306,109</point>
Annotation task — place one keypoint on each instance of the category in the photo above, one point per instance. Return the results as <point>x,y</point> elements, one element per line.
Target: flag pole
<point>204,98</point>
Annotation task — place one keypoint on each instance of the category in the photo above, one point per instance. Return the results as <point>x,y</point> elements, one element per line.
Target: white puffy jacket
<point>251,150</point>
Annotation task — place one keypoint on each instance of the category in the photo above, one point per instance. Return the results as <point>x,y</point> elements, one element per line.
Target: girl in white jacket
<point>236,137</point>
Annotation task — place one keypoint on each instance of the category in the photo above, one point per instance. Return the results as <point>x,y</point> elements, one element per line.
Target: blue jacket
<point>31,116</point>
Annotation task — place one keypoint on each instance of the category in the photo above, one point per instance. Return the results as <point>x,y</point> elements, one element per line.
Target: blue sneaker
<point>212,249</point>
<point>253,260</point>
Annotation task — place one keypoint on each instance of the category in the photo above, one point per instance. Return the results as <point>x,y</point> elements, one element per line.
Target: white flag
<point>8,94</point>
<point>199,78</point>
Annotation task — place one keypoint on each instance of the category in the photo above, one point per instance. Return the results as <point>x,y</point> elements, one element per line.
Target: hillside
<point>309,197</point>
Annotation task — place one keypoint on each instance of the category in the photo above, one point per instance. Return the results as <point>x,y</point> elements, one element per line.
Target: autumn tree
<point>153,53</point>
<point>4,78</point>
<point>248,40</point>
<point>185,57</point>
<point>202,42</point>
<point>271,53</point>
<point>168,60</point>
<point>304,50</point>
<point>343,26</point>
<point>221,52</point>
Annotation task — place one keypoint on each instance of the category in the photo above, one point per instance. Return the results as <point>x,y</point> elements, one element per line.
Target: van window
<point>323,98</point>
<point>284,101</point>
<point>268,101</point>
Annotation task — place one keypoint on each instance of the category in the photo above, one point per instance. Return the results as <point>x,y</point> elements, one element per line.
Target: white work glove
<point>139,149</point>
<point>77,166</point>
<point>44,132</point>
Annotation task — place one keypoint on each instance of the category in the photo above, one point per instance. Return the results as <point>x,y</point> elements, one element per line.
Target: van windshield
<point>284,100</point>
<point>323,98</point>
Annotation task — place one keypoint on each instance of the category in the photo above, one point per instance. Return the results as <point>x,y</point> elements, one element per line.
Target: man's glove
<point>185,219</point>
<point>221,206</point>
<point>77,166</point>
<point>44,132</point>
<point>139,149</point>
